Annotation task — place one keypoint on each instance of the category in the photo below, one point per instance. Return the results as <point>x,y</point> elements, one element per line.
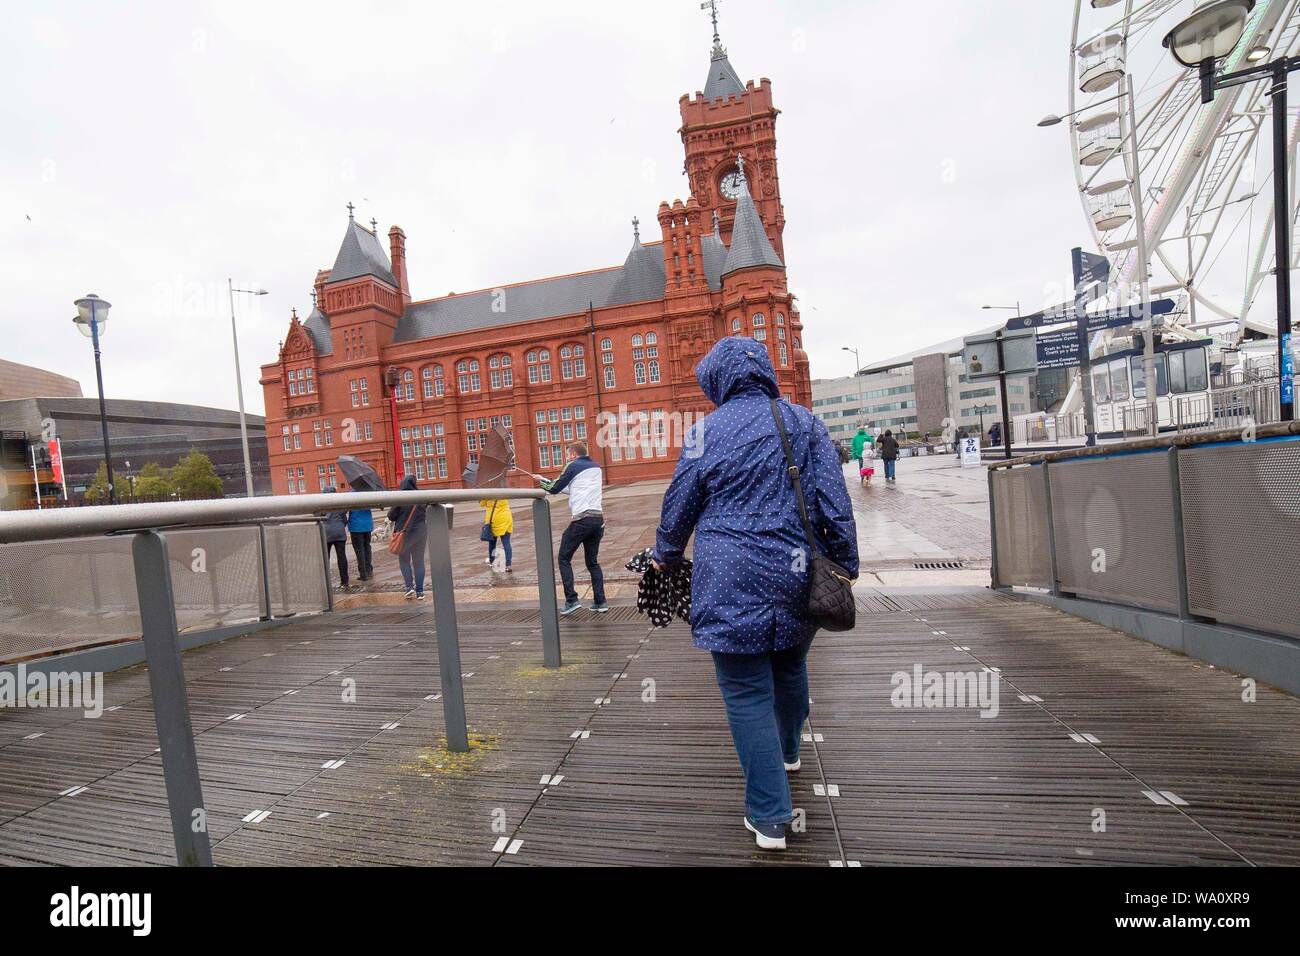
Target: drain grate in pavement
<point>939,565</point>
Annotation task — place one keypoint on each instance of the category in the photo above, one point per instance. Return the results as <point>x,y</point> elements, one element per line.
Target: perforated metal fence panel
<point>59,595</point>
<point>1020,512</point>
<point>1113,520</point>
<point>296,565</point>
<point>1241,525</point>
<point>216,576</point>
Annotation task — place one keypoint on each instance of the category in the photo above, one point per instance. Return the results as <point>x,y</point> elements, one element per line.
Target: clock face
<point>733,184</point>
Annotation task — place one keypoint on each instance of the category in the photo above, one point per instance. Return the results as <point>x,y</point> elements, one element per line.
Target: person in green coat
<point>860,441</point>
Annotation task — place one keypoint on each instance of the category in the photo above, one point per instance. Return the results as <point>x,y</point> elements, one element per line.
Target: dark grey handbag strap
<point>793,471</point>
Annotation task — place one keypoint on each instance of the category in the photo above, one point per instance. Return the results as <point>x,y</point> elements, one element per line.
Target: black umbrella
<point>360,475</point>
<point>496,458</point>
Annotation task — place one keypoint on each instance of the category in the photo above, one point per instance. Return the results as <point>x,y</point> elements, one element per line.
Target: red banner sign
<point>56,460</point>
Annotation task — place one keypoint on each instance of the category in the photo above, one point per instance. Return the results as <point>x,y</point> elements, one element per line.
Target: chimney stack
<point>397,256</point>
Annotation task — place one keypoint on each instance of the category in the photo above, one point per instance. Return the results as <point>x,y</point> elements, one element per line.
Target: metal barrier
<point>1203,525</point>
<point>67,595</point>
<point>163,539</point>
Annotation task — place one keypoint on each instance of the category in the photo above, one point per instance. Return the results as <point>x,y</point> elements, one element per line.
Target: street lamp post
<point>1208,35</point>
<point>1002,386</point>
<point>91,319</point>
<point>239,384</point>
<point>857,373</point>
<point>393,379</point>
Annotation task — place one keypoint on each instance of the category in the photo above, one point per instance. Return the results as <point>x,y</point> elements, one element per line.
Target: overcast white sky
<point>153,149</point>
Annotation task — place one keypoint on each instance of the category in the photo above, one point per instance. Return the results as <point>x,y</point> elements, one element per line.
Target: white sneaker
<point>767,836</point>
<point>792,767</point>
<point>410,595</point>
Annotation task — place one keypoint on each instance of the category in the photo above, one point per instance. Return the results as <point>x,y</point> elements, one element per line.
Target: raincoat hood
<point>735,366</point>
<point>408,484</point>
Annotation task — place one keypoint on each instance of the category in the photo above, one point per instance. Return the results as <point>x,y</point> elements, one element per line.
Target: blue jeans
<point>505,543</point>
<point>411,559</point>
<point>766,697</point>
<point>889,467</point>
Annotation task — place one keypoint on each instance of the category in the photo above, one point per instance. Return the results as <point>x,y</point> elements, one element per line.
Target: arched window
<point>606,345</point>
<point>651,339</point>
<point>468,379</point>
<point>439,385</point>
<point>735,325</point>
<point>579,362</point>
<point>569,367</point>
<point>639,368</point>
<point>654,371</point>
<point>500,374</point>
<point>426,381</point>
<point>636,339</point>
<point>609,376</point>
<point>406,390</point>
<point>566,352</point>
<point>760,320</point>
<point>780,318</point>
<point>785,355</point>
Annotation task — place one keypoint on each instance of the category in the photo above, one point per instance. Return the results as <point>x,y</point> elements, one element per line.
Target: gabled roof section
<point>318,327</point>
<point>749,242</point>
<point>722,80</point>
<point>361,254</point>
<point>714,253</point>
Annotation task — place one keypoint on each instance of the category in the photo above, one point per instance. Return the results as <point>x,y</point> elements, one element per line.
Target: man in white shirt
<point>583,481</point>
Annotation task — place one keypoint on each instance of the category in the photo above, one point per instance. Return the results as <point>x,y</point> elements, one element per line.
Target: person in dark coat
<point>749,586</point>
<point>336,539</point>
<point>888,452</point>
<point>410,520</point>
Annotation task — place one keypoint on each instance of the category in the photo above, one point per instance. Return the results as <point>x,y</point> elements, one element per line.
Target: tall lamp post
<point>91,319</point>
<point>239,384</point>
<point>393,379</point>
<point>1211,33</point>
<point>1002,385</point>
<point>857,373</point>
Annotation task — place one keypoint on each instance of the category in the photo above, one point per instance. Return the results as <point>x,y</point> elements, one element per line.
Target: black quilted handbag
<point>830,587</point>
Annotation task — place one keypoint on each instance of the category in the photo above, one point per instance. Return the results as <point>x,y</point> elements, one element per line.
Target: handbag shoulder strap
<point>407,523</point>
<point>793,471</point>
<point>493,512</point>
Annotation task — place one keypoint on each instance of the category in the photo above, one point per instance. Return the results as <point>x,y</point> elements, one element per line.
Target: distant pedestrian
<point>860,442</point>
<point>995,433</point>
<point>498,525</point>
<point>336,539</point>
<point>582,480</point>
<point>409,519</point>
<point>732,490</point>
<point>961,440</point>
<point>361,524</point>
<point>888,452</point>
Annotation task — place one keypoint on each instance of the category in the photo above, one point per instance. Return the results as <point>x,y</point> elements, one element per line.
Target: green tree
<point>154,481</point>
<point>99,487</point>
<point>194,477</point>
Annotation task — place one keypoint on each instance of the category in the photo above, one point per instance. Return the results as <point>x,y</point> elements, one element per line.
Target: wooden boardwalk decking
<point>643,782</point>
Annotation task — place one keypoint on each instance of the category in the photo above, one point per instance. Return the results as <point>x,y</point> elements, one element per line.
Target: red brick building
<point>607,355</point>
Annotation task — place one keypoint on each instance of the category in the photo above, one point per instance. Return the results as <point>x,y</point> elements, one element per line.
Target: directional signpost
<point>998,355</point>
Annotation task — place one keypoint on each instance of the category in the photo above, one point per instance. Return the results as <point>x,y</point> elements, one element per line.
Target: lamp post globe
<point>90,320</point>
<point>91,308</point>
<point>1211,32</point>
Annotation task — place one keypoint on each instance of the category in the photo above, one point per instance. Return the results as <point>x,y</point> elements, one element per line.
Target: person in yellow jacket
<point>498,523</point>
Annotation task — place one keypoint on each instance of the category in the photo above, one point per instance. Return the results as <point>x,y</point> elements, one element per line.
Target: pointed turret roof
<point>361,254</point>
<point>749,243</point>
<point>723,80</point>
<point>642,277</point>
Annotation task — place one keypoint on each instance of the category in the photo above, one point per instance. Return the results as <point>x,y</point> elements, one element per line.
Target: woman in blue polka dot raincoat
<point>749,583</point>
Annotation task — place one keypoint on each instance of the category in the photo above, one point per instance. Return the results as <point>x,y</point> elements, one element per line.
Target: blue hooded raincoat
<point>749,582</point>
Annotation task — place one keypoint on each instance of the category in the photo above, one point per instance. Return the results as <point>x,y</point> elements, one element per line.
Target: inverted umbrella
<point>496,458</point>
<point>360,475</point>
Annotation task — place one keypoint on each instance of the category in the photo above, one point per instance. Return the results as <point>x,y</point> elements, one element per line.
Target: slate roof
<point>641,278</point>
<point>361,254</point>
<point>749,242</point>
<point>318,327</point>
<point>714,253</point>
<point>722,80</point>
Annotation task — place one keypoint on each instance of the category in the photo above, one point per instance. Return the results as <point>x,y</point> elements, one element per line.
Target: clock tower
<point>725,120</point>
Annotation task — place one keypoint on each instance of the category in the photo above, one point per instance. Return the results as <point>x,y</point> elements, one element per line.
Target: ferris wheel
<point>1205,171</point>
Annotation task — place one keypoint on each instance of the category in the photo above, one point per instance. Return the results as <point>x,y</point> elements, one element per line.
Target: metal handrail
<point>149,523</point>
<point>109,519</point>
<point>1181,440</point>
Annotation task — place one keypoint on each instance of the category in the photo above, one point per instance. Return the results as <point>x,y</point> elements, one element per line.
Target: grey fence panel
<point>56,596</point>
<point>1241,525</point>
<point>1020,510</point>
<point>297,568</point>
<point>216,574</point>
<point>1114,524</point>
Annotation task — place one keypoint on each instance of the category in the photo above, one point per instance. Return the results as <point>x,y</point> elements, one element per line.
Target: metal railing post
<point>444,617</point>
<point>1180,547</point>
<point>153,582</point>
<point>993,534</point>
<point>543,545</point>
<point>325,553</point>
<point>1051,531</point>
<point>267,613</point>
